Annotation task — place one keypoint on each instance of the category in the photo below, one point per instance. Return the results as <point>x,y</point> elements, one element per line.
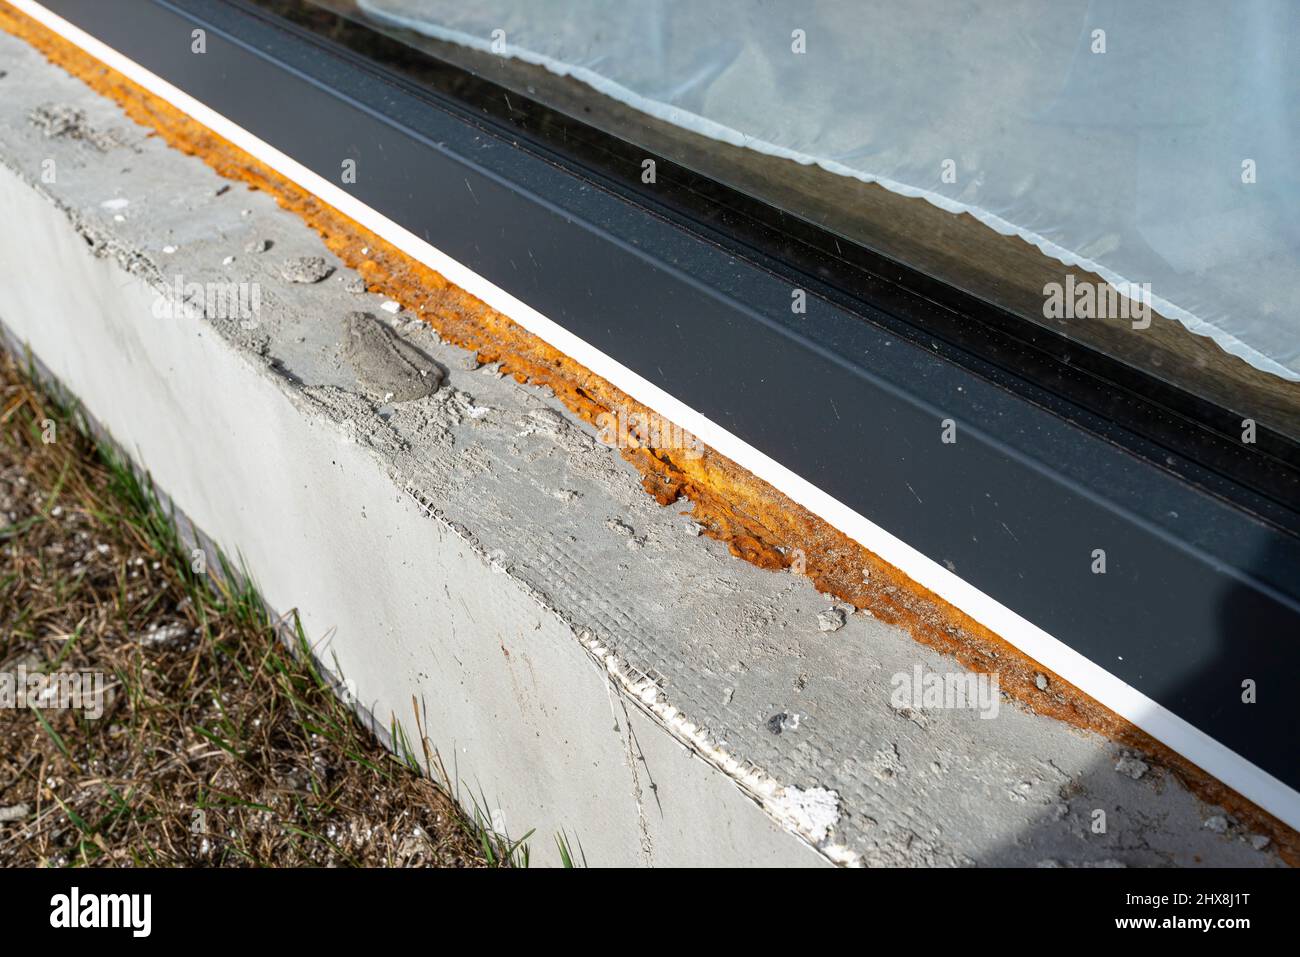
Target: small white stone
<point>1132,766</point>
<point>832,619</point>
<point>15,812</point>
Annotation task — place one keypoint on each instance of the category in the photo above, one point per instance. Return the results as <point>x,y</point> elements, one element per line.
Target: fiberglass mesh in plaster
<point>1126,162</point>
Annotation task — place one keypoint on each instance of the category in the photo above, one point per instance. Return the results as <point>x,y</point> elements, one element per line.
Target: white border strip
<point>1233,770</point>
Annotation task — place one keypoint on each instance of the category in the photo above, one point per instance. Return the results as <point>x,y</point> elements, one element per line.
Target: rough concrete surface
<point>584,660</point>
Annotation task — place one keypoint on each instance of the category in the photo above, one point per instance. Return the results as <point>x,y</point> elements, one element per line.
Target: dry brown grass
<point>217,745</point>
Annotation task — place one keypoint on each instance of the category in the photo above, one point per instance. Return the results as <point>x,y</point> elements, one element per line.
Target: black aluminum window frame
<point>928,310</point>
<point>689,286</point>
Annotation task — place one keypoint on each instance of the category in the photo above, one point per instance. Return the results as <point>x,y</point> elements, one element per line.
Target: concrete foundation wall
<point>519,711</point>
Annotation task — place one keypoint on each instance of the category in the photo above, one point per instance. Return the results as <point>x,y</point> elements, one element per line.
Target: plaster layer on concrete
<point>581,655</point>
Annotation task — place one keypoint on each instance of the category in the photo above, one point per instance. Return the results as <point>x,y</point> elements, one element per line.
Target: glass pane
<point>1121,173</point>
